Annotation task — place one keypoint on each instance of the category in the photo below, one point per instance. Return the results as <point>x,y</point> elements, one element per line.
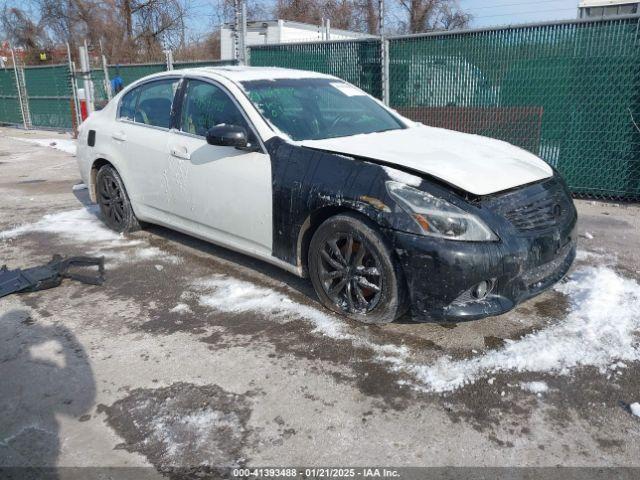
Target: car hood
<point>476,164</point>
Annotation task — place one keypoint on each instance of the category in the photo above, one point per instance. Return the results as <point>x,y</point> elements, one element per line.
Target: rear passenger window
<point>128,105</point>
<point>152,103</point>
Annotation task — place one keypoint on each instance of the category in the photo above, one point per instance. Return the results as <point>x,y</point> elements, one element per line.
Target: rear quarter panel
<point>106,148</point>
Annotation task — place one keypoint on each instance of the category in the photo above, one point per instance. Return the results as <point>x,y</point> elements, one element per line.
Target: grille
<point>537,207</point>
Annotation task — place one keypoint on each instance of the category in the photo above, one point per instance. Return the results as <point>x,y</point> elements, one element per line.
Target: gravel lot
<point>193,355</point>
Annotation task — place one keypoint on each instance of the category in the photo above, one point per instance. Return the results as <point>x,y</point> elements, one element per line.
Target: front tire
<point>353,271</point>
<point>114,202</point>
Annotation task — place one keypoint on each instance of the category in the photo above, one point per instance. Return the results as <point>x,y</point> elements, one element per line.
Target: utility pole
<point>384,53</point>
<point>240,31</point>
<point>105,72</point>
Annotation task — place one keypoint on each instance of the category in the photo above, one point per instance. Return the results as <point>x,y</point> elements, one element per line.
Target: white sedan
<point>309,173</point>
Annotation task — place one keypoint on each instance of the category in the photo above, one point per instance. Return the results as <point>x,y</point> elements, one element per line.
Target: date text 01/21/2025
<point>316,472</point>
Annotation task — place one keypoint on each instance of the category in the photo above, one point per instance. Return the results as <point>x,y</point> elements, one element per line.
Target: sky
<point>485,12</point>
<point>488,13</point>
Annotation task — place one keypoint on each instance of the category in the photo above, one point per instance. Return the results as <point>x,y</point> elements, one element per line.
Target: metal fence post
<point>168,54</point>
<point>243,30</point>
<point>385,69</point>
<point>85,66</point>
<point>74,87</point>
<point>384,53</point>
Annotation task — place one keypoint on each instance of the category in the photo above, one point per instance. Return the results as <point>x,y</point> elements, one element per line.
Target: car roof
<point>242,73</point>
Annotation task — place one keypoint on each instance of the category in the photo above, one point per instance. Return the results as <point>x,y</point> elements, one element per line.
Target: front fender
<point>306,182</point>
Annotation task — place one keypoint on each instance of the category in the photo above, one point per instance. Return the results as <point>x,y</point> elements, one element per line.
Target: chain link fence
<point>358,62</point>
<point>10,113</point>
<point>47,92</point>
<point>50,96</point>
<point>568,92</point>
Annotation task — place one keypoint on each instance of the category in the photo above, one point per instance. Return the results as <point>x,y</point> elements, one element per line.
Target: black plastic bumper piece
<point>50,275</point>
<point>441,274</point>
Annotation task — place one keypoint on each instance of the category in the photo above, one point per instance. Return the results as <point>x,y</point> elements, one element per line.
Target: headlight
<point>439,218</point>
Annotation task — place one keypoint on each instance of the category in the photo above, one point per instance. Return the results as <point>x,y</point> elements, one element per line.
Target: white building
<point>281,31</point>
<point>607,8</point>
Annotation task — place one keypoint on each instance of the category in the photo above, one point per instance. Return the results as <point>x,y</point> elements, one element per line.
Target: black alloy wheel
<point>114,202</point>
<point>350,273</point>
<point>353,270</point>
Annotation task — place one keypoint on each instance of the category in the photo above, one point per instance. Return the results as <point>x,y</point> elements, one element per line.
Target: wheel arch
<point>96,165</point>
<point>311,224</point>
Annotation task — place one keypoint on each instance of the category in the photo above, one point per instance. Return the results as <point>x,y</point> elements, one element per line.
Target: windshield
<point>317,108</point>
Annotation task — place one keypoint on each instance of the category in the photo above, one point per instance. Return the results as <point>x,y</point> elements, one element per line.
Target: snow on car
<point>309,173</point>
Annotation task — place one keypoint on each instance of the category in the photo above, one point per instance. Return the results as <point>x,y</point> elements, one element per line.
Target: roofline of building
<point>605,3</point>
<point>302,25</point>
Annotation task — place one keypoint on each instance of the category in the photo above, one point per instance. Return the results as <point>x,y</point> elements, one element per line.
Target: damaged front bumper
<point>442,275</point>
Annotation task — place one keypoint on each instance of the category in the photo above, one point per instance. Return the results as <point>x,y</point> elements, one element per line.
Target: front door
<point>224,193</point>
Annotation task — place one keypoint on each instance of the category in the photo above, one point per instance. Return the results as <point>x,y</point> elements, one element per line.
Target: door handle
<point>181,152</point>
<point>120,136</point>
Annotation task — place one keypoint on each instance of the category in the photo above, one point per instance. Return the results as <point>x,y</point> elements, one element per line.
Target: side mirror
<point>227,136</point>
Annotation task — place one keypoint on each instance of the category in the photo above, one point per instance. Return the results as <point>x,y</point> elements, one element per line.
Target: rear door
<point>141,135</point>
<point>224,192</point>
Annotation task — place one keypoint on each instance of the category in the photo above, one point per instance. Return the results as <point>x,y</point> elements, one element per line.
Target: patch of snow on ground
<point>150,253</point>
<point>228,294</point>
<point>535,387</point>
<point>403,177</point>
<point>79,186</point>
<point>583,255</point>
<point>66,145</point>
<point>195,431</point>
<point>83,226</point>
<point>181,308</point>
<point>598,331</point>
<point>635,409</point>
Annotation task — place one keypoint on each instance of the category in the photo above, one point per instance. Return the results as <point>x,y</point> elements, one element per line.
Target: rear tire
<point>353,271</point>
<point>114,202</point>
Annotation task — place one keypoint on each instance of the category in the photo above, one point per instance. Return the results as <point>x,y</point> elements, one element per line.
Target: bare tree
<point>157,23</point>
<point>21,30</point>
<point>371,15</point>
<point>341,13</point>
<point>427,15</point>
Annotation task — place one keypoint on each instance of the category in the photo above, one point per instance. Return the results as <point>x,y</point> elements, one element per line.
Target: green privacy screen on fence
<point>9,103</point>
<point>357,62</point>
<point>566,91</point>
<point>50,96</point>
<point>131,73</point>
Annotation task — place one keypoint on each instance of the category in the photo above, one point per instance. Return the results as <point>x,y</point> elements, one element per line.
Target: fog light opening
<point>481,290</point>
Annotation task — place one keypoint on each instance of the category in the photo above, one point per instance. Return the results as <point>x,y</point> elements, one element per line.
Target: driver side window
<point>206,105</point>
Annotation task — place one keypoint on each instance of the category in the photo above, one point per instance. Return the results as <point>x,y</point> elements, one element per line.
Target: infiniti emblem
<point>557,211</point>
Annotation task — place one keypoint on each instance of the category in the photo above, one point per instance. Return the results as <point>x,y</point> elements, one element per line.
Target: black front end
<point>452,280</point>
